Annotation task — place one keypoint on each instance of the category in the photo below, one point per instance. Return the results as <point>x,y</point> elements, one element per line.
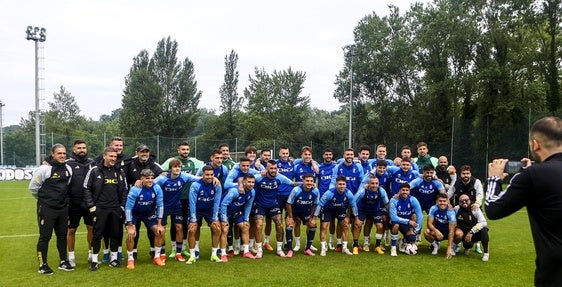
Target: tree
<point>63,118</point>
<point>161,95</point>
<point>231,103</point>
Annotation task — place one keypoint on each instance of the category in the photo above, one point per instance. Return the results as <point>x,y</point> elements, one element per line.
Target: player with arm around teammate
<point>145,204</point>
<point>441,223</point>
<point>372,202</point>
<point>236,207</point>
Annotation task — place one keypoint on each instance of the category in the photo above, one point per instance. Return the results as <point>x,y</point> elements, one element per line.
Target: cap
<point>142,147</point>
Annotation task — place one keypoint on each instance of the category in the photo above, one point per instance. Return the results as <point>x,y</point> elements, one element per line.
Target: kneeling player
<point>140,208</point>
<point>441,224</point>
<point>471,226</point>
<point>372,203</point>
<point>300,208</point>
<point>405,216</point>
<point>235,207</point>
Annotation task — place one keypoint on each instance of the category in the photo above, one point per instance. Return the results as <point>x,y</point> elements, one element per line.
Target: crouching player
<point>300,208</point>
<point>372,203</point>
<point>405,216</point>
<point>235,207</point>
<point>140,207</point>
<point>335,203</point>
<point>441,223</point>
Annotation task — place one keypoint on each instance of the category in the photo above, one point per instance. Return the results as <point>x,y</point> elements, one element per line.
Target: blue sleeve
<point>224,205</point>
<point>199,172</point>
<point>334,176</point>
<point>352,203</point>
<point>232,179</point>
<point>188,177</point>
<point>284,180</point>
<point>439,185</point>
<point>131,199</point>
<point>452,216</point>
<point>249,205</point>
<point>317,193</point>
<point>217,203</point>
<point>394,214</point>
<point>325,198</point>
<point>297,161</point>
<point>418,211</point>
<point>193,189</point>
<point>159,201</point>
<point>160,180</point>
<point>415,182</point>
<point>360,194</point>
<point>366,178</point>
<point>392,169</point>
<point>294,192</point>
<point>431,213</point>
<point>384,196</point>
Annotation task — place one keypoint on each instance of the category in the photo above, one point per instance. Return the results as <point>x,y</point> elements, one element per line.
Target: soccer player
<point>306,165</point>
<point>49,186</point>
<point>227,160</point>
<point>372,203</point>
<point>204,203</point>
<point>406,217</point>
<point>324,179</point>
<point>423,157</point>
<point>142,160</point>
<point>335,203</point>
<point>426,188</point>
<point>80,164</point>
<point>406,152</point>
<point>441,223</point>
<point>471,227</point>
<point>172,185</point>
<point>145,204</point>
<point>286,167</point>
<point>300,208</point>
<point>266,205</point>
<point>468,185</point>
<point>105,193</point>
<point>220,171</point>
<point>381,156</point>
<point>402,174</point>
<point>189,165</point>
<point>236,207</point>
<point>364,154</point>
<point>536,187</point>
<point>352,171</point>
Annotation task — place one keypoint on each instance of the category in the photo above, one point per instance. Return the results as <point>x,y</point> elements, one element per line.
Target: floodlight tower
<point>349,51</point>
<point>37,35</point>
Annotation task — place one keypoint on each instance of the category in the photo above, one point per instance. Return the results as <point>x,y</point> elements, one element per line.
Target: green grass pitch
<point>511,260</point>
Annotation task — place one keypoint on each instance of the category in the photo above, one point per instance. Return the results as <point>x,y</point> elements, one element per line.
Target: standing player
<point>336,202</point>
<point>49,186</point>
<point>227,160</point>
<point>300,208</point>
<point>236,207</point>
<point>266,205</point>
<point>441,223</point>
<point>426,189</point>
<point>105,193</point>
<point>306,165</point>
<point>400,175</point>
<point>80,164</point>
<point>405,216</point>
<point>372,203</point>
<point>145,204</point>
<point>172,186</point>
<point>204,202</point>
<point>324,179</point>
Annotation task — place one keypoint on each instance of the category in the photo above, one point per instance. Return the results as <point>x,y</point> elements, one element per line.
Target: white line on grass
<point>27,235</point>
<point>17,198</point>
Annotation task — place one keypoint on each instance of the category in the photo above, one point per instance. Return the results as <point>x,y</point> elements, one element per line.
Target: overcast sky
<point>90,45</point>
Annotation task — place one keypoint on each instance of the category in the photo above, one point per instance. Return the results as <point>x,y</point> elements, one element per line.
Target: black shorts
<point>76,212</point>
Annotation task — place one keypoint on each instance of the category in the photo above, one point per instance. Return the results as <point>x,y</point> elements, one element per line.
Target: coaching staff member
<point>539,188</point>
<point>105,193</point>
<point>49,186</point>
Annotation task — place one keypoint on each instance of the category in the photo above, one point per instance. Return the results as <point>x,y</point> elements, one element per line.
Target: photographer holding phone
<point>539,188</point>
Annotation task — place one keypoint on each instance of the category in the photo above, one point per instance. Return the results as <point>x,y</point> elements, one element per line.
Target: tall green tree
<point>161,95</point>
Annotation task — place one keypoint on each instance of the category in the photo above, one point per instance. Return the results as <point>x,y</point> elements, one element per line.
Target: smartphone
<point>513,167</point>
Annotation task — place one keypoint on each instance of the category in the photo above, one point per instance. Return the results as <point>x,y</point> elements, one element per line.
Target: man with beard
<point>227,160</point>
<point>468,185</point>
<point>426,188</point>
<point>471,227</point>
<point>441,223</point>
<point>406,217</point>
<point>537,188</point>
<point>423,157</point>
<point>445,172</point>
<point>324,179</point>
<point>80,164</point>
<point>300,207</point>
<point>142,161</point>
<point>189,165</point>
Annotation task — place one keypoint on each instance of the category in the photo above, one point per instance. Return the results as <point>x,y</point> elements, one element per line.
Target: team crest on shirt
<point>55,175</point>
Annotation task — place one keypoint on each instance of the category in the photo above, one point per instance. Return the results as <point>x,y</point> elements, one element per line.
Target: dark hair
<point>341,178</point>
<point>466,167</point>
<point>216,151</point>
<point>428,167</point>
<point>441,195</point>
<point>248,175</point>
<point>327,150</point>
<point>108,150</point>
<point>250,149</point>
<point>271,161</point>
<point>79,141</point>
<point>382,163</point>
<point>174,162</point>
<point>119,139</point>
<point>307,175</point>
<point>405,147</point>
<point>207,167</point>
<point>265,149</point>
<point>183,143</point>
<point>549,129</point>
<point>364,147</point>
<point>404,184</point>
<point>223,145</point>
<point>244,159</point>
<point>420,144</point>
